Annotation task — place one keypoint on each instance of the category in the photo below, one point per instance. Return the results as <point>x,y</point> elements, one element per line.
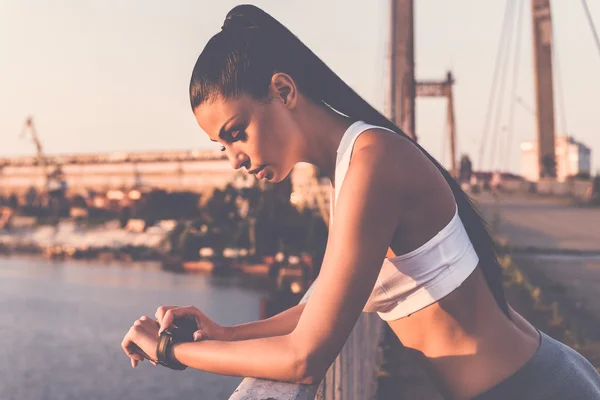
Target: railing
<point>352,376</point>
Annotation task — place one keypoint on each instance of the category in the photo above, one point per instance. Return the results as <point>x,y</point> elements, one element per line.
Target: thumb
<point>166,321</point>
<point>198,335</point>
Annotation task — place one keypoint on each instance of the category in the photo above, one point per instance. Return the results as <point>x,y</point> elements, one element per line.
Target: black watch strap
<point>163,349</point>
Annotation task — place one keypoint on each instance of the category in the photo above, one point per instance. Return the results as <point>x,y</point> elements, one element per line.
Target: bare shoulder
<point>395,162</point>
<point>399,160</point>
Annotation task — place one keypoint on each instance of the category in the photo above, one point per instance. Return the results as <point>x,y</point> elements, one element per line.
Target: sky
<point>113,75</point>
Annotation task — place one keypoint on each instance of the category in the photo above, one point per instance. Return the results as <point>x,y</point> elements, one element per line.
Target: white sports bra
<point>411,281</point>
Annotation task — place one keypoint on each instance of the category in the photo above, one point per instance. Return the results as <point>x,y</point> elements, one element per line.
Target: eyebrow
<point>223,130</point>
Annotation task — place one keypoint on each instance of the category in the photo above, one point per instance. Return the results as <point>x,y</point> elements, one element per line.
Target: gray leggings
<point>556,371</point>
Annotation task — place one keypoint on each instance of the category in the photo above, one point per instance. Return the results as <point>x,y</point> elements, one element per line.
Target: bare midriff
<point>467,342</point>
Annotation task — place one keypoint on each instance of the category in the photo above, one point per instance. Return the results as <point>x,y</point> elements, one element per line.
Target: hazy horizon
<point>112,76</point>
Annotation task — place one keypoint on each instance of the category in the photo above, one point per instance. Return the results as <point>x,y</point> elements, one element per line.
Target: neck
<point>322,131</point>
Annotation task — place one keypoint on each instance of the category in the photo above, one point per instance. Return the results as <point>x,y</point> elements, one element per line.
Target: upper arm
<point>366,216</point>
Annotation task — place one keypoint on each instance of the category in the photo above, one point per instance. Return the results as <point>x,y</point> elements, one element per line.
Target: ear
<point>283,88</point>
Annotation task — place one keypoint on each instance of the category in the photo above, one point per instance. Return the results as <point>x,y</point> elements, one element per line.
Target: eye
<point>237,134</point>
<point>234,135</point>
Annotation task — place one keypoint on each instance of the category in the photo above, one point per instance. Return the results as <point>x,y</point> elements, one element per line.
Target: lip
<point>261,174</point>
<point>257,170</point>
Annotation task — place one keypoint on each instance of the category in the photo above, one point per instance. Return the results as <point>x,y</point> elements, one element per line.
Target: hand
<point>141,341</point>
<point>168,316</point>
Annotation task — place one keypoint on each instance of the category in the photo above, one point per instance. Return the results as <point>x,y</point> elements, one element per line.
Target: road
<point>548,227</point>
<point>541,223</point>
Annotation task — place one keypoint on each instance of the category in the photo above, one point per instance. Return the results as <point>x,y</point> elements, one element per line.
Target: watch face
<point>179,335</point>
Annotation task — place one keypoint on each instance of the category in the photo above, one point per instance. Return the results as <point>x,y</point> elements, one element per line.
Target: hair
<point>252,46</point>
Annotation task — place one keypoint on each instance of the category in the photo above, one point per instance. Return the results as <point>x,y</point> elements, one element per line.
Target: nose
<point>238,160</point>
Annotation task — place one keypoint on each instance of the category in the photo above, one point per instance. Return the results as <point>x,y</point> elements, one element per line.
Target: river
<point>62,323</point>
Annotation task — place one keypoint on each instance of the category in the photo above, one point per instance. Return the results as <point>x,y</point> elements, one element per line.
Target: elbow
<point>307,370</point>
<point>303,376</point>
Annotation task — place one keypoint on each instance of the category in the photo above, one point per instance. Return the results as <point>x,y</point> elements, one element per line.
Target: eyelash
<point>240,133</point>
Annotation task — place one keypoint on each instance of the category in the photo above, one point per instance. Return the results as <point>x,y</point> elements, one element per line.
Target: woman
<point>405,240</point>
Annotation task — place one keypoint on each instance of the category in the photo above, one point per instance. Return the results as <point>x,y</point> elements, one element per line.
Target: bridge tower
<point>544,94</point>
<point>402,90</point>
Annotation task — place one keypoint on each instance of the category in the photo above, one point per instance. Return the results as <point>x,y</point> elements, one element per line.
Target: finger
<point>130,348</point>
<point>126,345</point>
<point>199,324</point>
<point>170,316</point>
<point>147,320</point>
<point>198,335</point>
<point>139,353</point>
<point>160,312</point>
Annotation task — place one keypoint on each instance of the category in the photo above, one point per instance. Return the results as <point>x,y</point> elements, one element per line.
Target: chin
<point>278,177</point>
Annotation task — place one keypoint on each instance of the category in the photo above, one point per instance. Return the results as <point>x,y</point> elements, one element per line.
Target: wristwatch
<point>167,338</point>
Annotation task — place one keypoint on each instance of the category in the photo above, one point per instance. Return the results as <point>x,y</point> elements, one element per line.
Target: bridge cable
<point>491,100</point>
<point>515,82</point>
<point>592,25</point>
<point>496,125</point>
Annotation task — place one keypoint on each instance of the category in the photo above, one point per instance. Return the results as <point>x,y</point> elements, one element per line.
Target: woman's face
<point>256,135</point>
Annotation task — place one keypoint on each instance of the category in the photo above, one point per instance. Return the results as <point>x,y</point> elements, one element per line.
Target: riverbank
<point>290,275</point>
<point>69,239</point>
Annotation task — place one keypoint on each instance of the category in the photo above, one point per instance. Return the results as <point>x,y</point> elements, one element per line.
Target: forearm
<point>278,325</point>
<point>268,358</point>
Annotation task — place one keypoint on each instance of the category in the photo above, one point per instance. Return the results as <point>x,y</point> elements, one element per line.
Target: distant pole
<point>402,79</point>
<point>451,123</point>
<point>542,56</point>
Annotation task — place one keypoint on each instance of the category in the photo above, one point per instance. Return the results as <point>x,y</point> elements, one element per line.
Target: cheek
<point>271,139</point>
<point>268,148</point>
<point>275,144</point>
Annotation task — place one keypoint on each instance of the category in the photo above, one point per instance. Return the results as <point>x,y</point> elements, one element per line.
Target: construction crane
<point>29,127</point>
<point>53,181</point>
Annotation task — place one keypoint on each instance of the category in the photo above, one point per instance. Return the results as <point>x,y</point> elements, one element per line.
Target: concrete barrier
<point>578,189</point>
<point>352,376</point>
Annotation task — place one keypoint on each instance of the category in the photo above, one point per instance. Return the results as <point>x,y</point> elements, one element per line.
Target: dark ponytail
<point>252,46</point>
